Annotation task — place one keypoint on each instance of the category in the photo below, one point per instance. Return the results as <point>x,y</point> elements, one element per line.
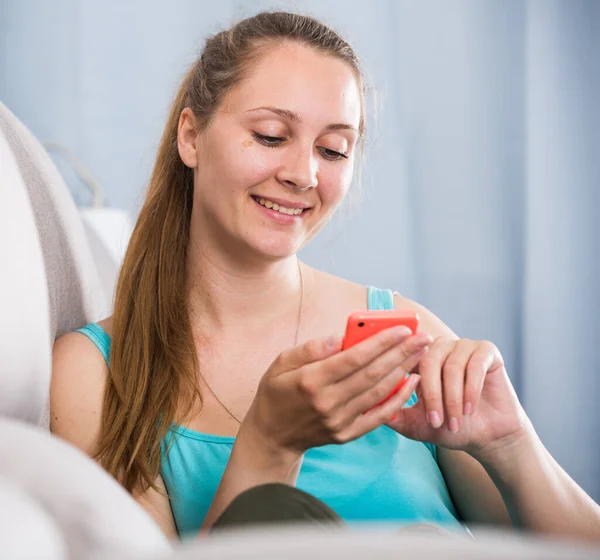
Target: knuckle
<point>372,374</point>
<point>428,360</point>
<point>279,362</point>
<point>453,367</point>
<point>339,437</point>
<point>379,392</point>
<point>453,402</point>
<point>307,385</point>
<point>404,350</point>
<point>489,346</point>
<point>333,424</point>
<point>355,361</point>
<point>323,405</point>
<point>383,415</point>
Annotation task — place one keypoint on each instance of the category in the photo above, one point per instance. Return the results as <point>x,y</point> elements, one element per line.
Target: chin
<point>276,249</point>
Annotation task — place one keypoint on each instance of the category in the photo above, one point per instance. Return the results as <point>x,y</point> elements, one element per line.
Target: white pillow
<point>25,345</point>
<point>96,517</point>
<point>310,543</point>
<point>26,530</point>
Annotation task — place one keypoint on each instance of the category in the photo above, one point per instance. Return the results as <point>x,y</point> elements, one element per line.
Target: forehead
<point>319,87</point>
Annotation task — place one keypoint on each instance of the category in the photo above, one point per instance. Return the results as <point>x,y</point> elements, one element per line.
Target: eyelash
<point>274,141</point>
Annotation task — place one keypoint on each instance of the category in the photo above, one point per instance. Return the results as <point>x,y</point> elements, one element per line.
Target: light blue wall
<point>561,296</point>
<point>98,77</point>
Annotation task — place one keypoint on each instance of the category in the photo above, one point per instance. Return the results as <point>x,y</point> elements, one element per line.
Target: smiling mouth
<point>278,207</point>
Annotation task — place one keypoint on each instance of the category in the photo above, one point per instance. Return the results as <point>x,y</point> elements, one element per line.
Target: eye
<point>332,155</point>
<point>270,141</point>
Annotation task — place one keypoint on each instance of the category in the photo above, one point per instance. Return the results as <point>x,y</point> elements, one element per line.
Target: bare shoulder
<point>79,374</point>
<point>342,296</point>
<point>429,322</point>
<point>106,325</point>
<point>339,291</point>
<point>332,299</point>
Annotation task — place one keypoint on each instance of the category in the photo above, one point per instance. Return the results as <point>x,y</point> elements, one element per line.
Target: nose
<point>299,169</point>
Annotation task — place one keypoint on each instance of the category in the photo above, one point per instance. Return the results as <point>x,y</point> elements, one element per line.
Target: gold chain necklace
<point>295,344</point>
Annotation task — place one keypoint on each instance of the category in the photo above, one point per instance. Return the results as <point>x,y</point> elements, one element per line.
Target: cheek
<point>234,166</point>
<point>245,165</point>
<point>334,185</point>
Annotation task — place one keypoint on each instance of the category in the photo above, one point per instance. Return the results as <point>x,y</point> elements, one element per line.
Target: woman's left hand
<point>466,400</point>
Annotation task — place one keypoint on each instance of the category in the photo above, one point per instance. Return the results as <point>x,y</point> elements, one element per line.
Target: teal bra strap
<point>99,337</point>
<point>380,299</point>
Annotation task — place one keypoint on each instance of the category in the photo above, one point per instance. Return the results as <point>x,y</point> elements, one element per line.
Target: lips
<point>287,207</point>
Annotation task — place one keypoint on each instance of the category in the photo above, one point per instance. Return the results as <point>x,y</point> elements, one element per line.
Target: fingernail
<point>394,417</point>
<point>454,425</point>
<point>434,419</point>
<point>424,338</point>
<point>468,408</point>
<point>401,333</point>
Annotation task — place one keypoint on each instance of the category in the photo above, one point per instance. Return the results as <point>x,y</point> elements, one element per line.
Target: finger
<point>345,363</point>
<point>312,351</point>
<point>367,422</point>
<point>359,393</point>
<point>419,391</point>
<point>430,369</point>
<point>412,423</point>
<point>479,364</point>
<point>453,381</point>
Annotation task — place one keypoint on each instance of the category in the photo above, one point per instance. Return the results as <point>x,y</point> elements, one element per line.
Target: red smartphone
<point>363,324</point>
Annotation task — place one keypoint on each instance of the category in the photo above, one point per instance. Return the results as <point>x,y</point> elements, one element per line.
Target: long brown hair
<point>153,362</point>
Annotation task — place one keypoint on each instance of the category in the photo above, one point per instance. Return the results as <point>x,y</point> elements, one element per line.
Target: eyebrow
<point>286,113</point>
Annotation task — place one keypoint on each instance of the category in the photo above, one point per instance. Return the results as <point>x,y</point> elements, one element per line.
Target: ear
<point>186,138</point>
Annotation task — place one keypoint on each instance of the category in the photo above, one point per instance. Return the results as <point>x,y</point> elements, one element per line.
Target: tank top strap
<point>380,299</point>
<point>99,337</point>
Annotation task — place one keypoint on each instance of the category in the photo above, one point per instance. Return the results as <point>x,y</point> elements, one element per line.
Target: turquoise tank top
<point>381,476</point>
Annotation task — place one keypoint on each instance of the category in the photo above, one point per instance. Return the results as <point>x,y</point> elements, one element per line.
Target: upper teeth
<point>283,209</point>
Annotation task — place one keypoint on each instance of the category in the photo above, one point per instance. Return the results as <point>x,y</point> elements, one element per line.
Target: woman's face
<point>277,158</point>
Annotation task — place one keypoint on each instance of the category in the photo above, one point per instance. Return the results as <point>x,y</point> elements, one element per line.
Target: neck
<point>227,294</point>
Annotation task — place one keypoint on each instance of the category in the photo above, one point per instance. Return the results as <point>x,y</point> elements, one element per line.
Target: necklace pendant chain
<point>296,338</point>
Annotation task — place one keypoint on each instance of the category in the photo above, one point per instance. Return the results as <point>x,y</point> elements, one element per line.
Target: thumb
<point>411,422</point>
<point>307,353</point>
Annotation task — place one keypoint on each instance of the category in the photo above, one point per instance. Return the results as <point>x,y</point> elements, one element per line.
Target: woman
<point>257,154</point>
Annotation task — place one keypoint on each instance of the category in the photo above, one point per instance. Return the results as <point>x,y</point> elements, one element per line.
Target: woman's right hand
<point>315,394</point>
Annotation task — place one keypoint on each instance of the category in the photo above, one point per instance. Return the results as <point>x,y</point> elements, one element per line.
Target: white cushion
<point>25,344</point>
<point>75,293</point>
<point>108,231</point>
<point>308,542</point>
<point>35,203</point>
<point>96,517</point>
<point>26,530</point>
